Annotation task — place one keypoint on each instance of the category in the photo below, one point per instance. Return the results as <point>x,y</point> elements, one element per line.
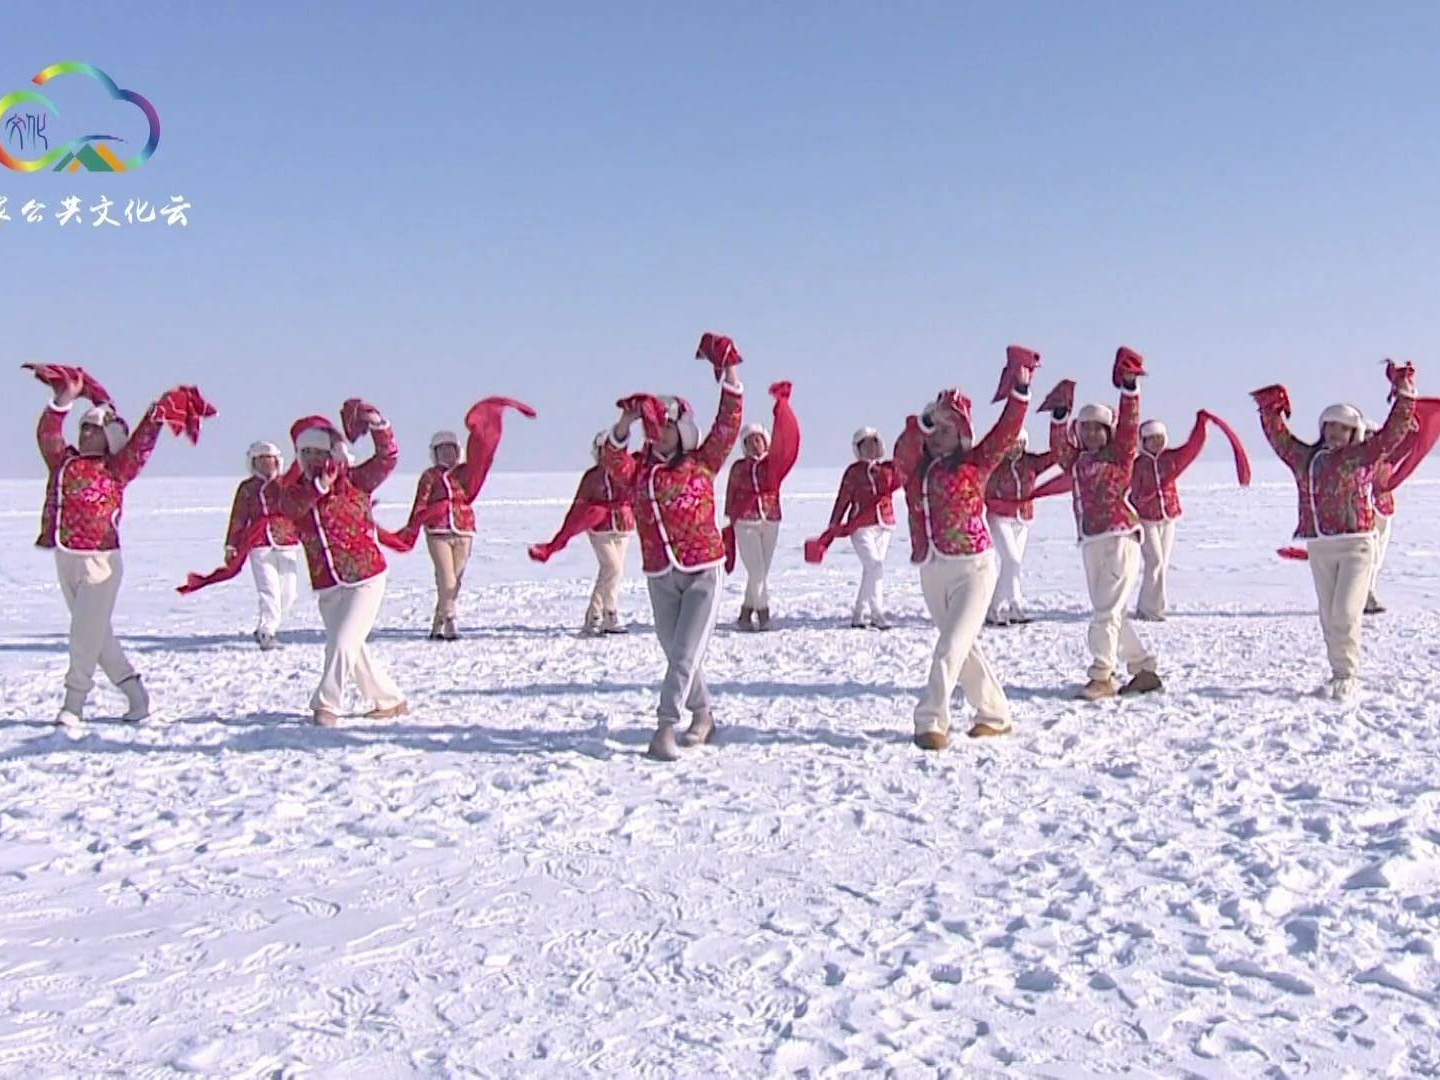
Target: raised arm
<point>1038,463</point>
<point>1176,461</point>
<point>50,435</point>
<point>371,473</point>
<point>126,465</point>
<point>1126,447</point>
<point>1058,404</point>
<point>991,450</point>
<point>1397,425</point>
<point>784,441</point>
<point>725,432</point>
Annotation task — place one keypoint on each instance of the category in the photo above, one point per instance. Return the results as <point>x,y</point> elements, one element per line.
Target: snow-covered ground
<point>1232,878</point>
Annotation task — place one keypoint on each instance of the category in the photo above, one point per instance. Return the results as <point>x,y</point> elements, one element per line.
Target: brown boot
<point>932,740</point>
<point>762,619</point>
<point>1373,605</point>
<point>701,729</point>
<point>1146,682</point>
<point>985,729</point>
<point>388,712</point>
<point>744,623</point>
<point>1097,690</point>
<point>437,628</point>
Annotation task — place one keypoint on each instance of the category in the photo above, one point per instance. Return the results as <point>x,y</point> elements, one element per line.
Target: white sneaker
<point>1344,689</point>
<point>137,698</point>
<point>67,719</point>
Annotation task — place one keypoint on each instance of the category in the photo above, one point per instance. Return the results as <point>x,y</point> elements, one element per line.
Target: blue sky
<point>873,200</point>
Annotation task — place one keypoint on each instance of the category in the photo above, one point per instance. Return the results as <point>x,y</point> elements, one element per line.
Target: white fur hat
<point>1096,414</point>
<point>598,443</point>
<point>1347,415</point>
<point>755,429</point>
<point>262,449</point>
<point>1152,428</point>
<point>861,434</point>
<point>316,438</point>
<point>117,432</point>
<point>442,438</point>
<point>679,412</point>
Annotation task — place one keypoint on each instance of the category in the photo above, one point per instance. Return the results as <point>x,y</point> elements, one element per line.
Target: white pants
<point>90,582</point>
<point>1010,536</point>
<point>1343,568</point>
<point>1112,565</point>
<point>1157,541</point>
<point>957,592</point>
<point>755,544</point>
<point>349,614</point>
<point>685,607</point>
<point>610,555</point>
<point>1383,526</point>
<point>870,544</point>
<point>277,580</point>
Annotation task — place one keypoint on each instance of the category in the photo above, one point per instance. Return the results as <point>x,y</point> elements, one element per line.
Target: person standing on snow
<point>1009,509</point>
<point>1384,499</point>
<point>862,506</point>
<point>752,505</point>
<point>1156,498</point>
<point>601,511</point>
<point>274,560</point>
<point>441,496</point>
<point>330,503</point>
<point>80,522</point>
<point>1334,479</point>
<point>671,484</point>
<point>1100,462</point>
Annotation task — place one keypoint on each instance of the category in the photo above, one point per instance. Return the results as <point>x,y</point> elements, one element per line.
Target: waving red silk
<point>1417,444</point>
<point>182,410</point>
<point>1242,459</point>
<point>1017,359</point>
<point>1129,364</point>
<point>651,410</point>
<point>719,350</point>
<point>583,517</point>
<point>1062,397</point>
<point>56,376</point>
<point>1273,398</point>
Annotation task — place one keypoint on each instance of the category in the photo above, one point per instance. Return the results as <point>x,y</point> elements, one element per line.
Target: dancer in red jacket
<point>1009,509</point>
<point>601,511</point>
<point>1384,522</point>
<point>671,484</point>
<point>1334,478</point>
<point>1100,462</point>
<point>441,496</point>
<point>1156,498</point>
<point>330,503</point>
<point>274,561</point>
<point>868,512</point>
<point>84,499</point>
<point>753,508</point>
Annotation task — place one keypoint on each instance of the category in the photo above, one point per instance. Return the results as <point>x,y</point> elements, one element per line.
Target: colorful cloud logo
<point>90,152</point>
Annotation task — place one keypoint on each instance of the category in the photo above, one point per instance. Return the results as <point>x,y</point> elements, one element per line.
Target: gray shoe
<point>137,698</point>
<point>662,744</point>
<point>701,729</point>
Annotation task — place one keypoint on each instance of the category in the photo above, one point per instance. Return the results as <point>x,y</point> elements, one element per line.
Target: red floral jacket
<point>1153,491</point>
<point>254,499</point>
<point>674,500</point>
<point>946,496</point>
<point>597,488</point>
<point>1007,495</point>
<point>336,527</point>
<point>862,483</point>
<point>749,496</point>
<point>1335,486</point>
<point>1100,480</point>
<point>446,486</point>
<point>85,493</point>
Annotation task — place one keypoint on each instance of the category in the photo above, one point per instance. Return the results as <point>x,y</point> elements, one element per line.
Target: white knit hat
<point>1153,428</point>
<point>861,434</point>
<point>439,439</point>
<point>117,432</point>
<point>1096,414</point>
<point>1347,415</point>
<point>262,449</point>
<point>755,429</point>
<point>679,412</point>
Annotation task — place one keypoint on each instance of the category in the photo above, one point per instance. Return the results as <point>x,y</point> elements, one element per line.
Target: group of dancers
<point>969,499</point>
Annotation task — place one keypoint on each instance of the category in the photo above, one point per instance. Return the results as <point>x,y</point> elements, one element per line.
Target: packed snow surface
<point>1232,878</point>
